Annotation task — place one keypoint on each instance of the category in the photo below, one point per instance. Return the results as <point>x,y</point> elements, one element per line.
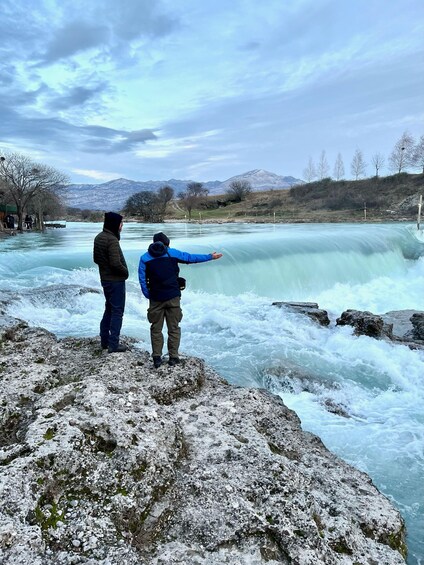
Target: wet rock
<point>417,321</point>
<point>106,460</point>
<point>366,323</point>
<point>310,309</point>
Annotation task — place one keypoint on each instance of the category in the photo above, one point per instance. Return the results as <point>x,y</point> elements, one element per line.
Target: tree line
<point>407,153</point>
<point>151,206</point>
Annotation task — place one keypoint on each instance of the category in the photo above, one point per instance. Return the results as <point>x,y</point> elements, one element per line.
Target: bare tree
<point>339,170</point>
<point>166,193</point>
<point>310,172</point>
<point>323,168</point>
<point>358,166</point>
<point>419,154</point>
<point>402,155</point>
<point>239,189</point>
<point>24,178</point>
<point>44,203</point>
<point>146,204</point>
<point>193,196</point>
<point>2,200</point>
<point>377,161</point>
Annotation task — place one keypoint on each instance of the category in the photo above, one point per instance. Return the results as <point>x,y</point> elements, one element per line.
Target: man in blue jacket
<point>158,275</point>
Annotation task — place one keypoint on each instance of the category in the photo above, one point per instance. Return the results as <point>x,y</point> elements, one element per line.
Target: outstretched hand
<point>216,255</point>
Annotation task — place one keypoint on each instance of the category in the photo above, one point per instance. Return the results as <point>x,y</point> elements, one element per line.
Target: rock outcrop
<point>104,460</point>
<point>310,309</point>
<point>405,327</point>
<point>365,323</point>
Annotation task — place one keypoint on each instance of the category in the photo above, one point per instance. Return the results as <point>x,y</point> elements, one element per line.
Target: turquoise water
<point>229,321</point>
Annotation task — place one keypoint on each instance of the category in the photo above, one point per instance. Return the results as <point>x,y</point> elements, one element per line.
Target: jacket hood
<point>157,249</point>
<point>161,237</point>
<point>112,223</point>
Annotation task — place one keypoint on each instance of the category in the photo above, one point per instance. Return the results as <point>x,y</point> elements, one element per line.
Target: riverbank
<point>104,458</point>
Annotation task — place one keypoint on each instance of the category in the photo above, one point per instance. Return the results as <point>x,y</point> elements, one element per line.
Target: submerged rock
<point>105,460</point>
<point>53,294</point>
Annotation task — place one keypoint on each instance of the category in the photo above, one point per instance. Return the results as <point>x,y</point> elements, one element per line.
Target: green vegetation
<point>397,541</point>
<point>340,546</point>
<point>47,513</point>
<point>50,433</point>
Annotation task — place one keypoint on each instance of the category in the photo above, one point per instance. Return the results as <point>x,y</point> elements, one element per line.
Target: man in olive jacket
<point>113,271</point>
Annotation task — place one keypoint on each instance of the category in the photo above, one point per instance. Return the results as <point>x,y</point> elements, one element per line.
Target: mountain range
<point>113,194</point>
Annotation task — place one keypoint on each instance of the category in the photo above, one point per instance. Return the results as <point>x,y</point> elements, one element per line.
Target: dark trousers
<point>110,326</point>
<point>157,313</point>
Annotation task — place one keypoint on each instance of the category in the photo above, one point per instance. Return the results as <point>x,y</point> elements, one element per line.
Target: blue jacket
<point>158,271</point>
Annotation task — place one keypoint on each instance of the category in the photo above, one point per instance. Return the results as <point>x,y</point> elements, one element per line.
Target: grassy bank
<point>392,198</point>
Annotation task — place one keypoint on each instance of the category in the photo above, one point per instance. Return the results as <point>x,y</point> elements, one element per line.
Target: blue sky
<point>145,89</point>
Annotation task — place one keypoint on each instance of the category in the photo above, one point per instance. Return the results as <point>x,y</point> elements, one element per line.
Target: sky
<point>206,90</point>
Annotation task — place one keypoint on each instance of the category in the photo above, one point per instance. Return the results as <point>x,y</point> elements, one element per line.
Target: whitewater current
<point>363,397</point>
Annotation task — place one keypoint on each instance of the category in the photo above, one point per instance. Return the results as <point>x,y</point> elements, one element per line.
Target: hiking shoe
<point>120,349</point>
<point>157,361</point>
<point>173,361</point>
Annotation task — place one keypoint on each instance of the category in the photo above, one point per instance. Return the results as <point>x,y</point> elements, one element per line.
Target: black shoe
<point>104,345</point>
<point>173,361</point>
<point>157,361</point>
<point>120,349</point>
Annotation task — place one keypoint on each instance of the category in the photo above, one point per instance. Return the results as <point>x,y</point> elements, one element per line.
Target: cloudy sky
<point>205,90</point>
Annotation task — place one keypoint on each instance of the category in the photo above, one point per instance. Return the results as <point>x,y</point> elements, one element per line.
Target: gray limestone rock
<point>401,321</point>
<point>408,327</point>
<point>105,460</point>
<point>310,309</point>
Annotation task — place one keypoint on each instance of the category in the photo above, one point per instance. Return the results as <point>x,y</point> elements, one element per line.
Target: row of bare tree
<point>406,154</point>
<point>33,188</point>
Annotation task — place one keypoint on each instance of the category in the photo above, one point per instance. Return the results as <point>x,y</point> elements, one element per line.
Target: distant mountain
<point>263,180</point>
<point>113,194</point>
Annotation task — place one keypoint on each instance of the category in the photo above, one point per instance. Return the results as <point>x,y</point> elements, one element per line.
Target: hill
<point>387,198</point>
<point>116,192</point>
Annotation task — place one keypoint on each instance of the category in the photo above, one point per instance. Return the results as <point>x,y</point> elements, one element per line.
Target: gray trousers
<point>170,311</point>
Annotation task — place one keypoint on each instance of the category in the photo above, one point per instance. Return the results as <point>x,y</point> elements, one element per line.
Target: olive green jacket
<point>107,254</point>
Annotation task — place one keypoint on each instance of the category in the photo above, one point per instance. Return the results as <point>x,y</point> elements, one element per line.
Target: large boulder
<point>104,460</point>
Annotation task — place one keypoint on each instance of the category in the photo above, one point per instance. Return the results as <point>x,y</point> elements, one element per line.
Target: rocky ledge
<point>104,460</point>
